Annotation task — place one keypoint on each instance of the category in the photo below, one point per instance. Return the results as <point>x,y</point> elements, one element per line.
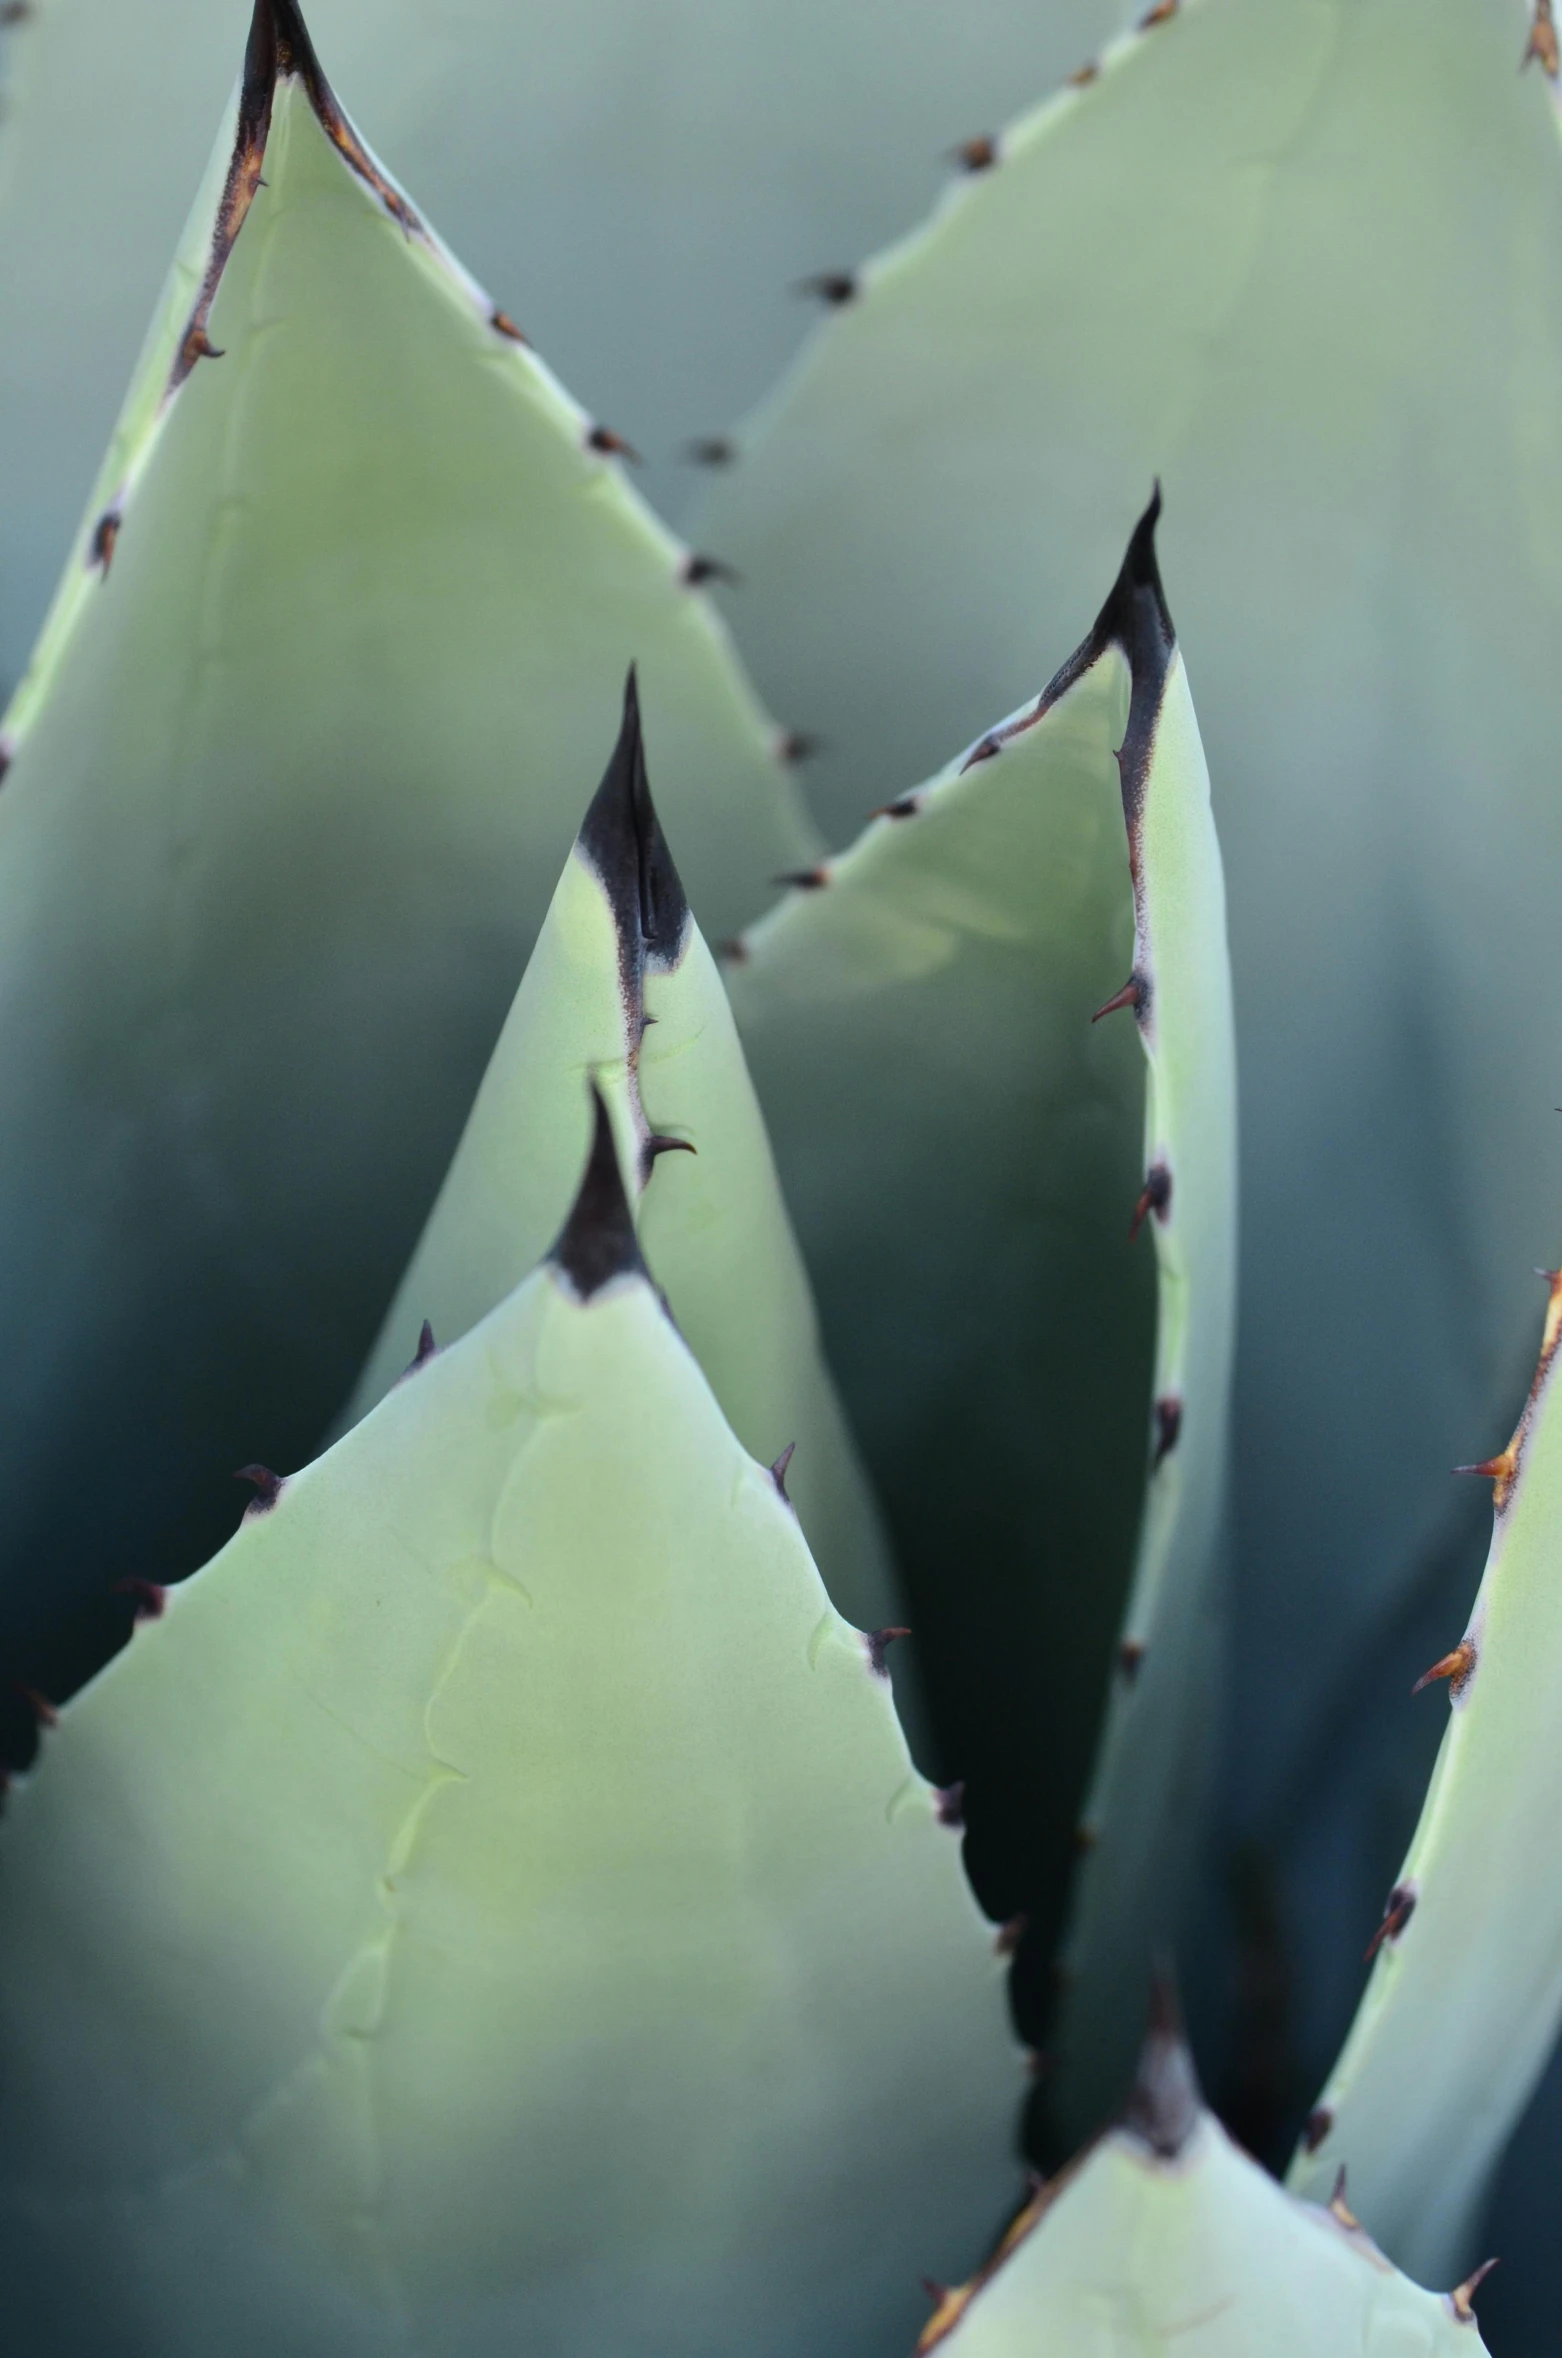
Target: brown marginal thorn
<point>834,287</point>
<point>15,12</point>
<point>198,345</point>
<point>734,951</point>
<point>268,1488</point>
<point>878,1643</point>
<point>1462,2299</point>
<point>795,745</point>
<point>658,1144</point>
<point>804,879</point>
<point>697,569</point>
<point>505,326</point>
<point>711,450</point>
<point>1401,1907</point>
<point>778,1471</point>
<point>1542,47</point>
<point>1455,1667</point>
<point>937,2293</point>
<point>1499,1470</point>
<point>905,806</point>
<point>1134,993</point>
<point>949,1801</point>
<point>611,445</point>
<point>1168,1427</point>
<point>1085,1838</point>
<point>151,1600</point>
<point>6,758</point>
<point>1009,1936</point>
<point>1319,2122</point>
<point>43,1711</point>
<point>983,750</point>
<point>1130,1654</point>
<point>976,155</point>
<point>1155,1196</point>
<point>1339,2208</point>
<point>1160,14</point>
<point>105,537</point>
<point>1084,75</point>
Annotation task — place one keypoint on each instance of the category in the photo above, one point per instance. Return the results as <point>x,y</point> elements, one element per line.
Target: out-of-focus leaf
<point>642,188</point>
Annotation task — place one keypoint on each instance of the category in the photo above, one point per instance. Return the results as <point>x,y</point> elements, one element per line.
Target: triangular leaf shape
<point>493,1907</point>
<point>1299,260</point>
<point>642,194</point>
<point>1165,2241</point>
<point>918,1018</point>
<point>621,985</point>
<point>291,782</point>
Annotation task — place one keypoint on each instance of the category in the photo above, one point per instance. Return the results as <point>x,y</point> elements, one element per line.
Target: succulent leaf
<point>493,1907</point>
<point>1142,1816</point>
<point>291,782</point>
<point>1462,2008</point>
<point>917,1016</point>
<point>1164,2240</point>
<point>1232,258</point>
<point>621,985</point>
<point>640,192</point>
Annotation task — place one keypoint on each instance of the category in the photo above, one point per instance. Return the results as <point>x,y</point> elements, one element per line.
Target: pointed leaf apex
<point>1164,2103</point>
<point>1137,594</point>
<point>622,838</point>
<point>597,1242</point>
<point>278,32</point>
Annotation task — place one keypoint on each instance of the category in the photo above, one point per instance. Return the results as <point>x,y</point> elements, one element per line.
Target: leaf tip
<point>597,1242</point>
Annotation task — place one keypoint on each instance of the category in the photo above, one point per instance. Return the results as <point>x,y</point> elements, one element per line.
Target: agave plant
<point>733,1660</point>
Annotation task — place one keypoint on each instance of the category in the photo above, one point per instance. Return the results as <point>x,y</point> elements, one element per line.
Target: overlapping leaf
<point>966,1155</point>
<point>493,1908</point>
<point>1299,260</point>
<point>1165,2241</point>
<point>621,985</point>
<point>642,191</point>
<point>291,781</point>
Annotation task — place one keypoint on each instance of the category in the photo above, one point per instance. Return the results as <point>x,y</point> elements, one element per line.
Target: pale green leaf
<point>1165,2241</point>
<point>300,760</point>
<point>621,985</point>
<point>1301,260</point>
<point>493,1909</point>
<point>643,189</point>
<point>962,1149</point>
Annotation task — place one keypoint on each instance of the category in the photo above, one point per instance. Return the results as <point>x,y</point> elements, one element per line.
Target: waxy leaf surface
<point>964,1152</point>
<point>1301,261</point>
<point>493,1908</point>
<point>301,755</point>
